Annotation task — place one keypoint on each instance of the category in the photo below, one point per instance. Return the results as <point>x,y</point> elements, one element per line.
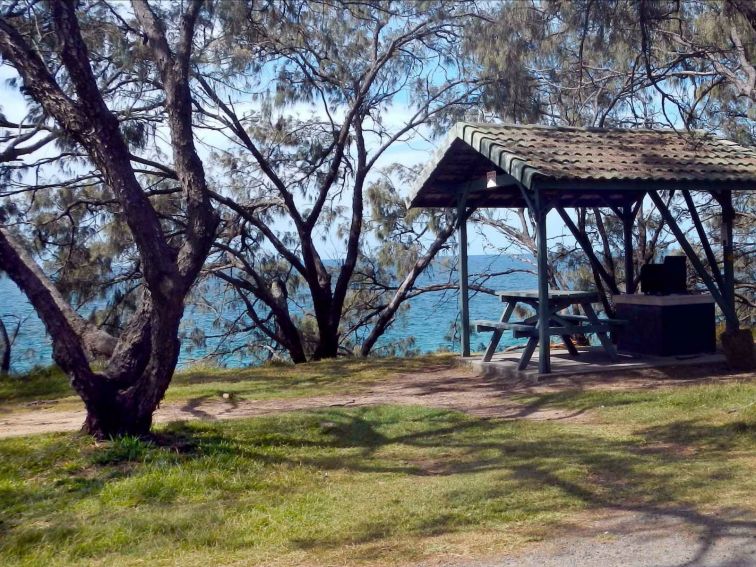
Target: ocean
<point>429,321</point>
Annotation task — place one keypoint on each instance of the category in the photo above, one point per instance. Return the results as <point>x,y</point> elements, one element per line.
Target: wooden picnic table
<point>560,324</point>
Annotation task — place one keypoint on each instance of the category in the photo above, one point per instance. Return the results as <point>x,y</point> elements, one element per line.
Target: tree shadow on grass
<point>640,474</point>
<point>353,429</point>
<point>711,529</point>
<point>621,475</point>
<point>192,405</point>
<point>509,468</point>
<point>320,372</point>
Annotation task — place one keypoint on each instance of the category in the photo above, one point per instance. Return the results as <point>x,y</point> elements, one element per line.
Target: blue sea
<point>431,321</point>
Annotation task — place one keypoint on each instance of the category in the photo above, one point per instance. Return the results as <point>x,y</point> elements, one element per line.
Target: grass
<point>39,384</point>
<point>49,386</point>
<point>379,485</point>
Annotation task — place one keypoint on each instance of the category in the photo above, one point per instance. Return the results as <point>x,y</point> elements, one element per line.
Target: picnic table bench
<point>560,324</point>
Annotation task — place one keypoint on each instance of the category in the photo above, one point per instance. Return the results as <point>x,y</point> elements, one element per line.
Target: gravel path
<point>645,539</point>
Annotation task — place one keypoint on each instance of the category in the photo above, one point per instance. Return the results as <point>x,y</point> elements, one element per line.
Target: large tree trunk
<point>5,350</point>
<point>292,342</point>
<point>328,343</point>
<point>121,398</point>
<point>123,401</point>
<point>286,332</point>
<point>323,306</point>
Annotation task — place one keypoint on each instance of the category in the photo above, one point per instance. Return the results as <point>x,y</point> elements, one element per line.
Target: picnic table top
<point>573,295</point>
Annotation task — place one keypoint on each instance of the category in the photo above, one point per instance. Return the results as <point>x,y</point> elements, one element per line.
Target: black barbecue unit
<point>666,278</point>
<point>666,320</point>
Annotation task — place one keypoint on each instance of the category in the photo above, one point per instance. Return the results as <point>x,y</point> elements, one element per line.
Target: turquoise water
<point>431,320</point>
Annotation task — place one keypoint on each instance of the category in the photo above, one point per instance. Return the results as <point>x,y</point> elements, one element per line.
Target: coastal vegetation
<point>248,163</point>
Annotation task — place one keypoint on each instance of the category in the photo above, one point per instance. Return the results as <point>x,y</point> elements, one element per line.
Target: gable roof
<point>578,159</point>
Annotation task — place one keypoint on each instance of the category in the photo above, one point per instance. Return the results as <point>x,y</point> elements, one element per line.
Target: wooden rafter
<point>710,257</point>
<point>716,292</point>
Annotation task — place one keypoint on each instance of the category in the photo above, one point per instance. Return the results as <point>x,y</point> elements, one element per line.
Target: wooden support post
<point>728,291</point>
<point>724,305</point>
<point>464,297</point>
<point>544,339</point>
<point>627,230</point>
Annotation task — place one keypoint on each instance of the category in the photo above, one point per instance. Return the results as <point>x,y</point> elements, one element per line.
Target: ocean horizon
<point>429,324</point>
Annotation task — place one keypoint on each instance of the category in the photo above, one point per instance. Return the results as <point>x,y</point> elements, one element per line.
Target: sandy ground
<point>457,388</point>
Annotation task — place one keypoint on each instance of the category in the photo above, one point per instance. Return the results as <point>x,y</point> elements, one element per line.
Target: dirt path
<point>456,388</point>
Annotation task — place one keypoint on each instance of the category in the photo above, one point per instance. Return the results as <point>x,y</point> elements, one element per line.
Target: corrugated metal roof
<point>587,158</point>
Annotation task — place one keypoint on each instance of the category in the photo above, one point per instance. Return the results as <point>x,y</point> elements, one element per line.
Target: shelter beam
<point>728,253</point>
<point>544,339</point>
<point>724,305</point>
<point>628,218</point>
<point>706,245</point>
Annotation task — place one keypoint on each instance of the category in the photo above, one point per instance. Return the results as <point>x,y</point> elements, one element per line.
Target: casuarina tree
<point>87,66</point>
<point>338,86</point>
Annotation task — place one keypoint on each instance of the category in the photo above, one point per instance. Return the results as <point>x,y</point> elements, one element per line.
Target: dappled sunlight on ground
<point>432,467</point>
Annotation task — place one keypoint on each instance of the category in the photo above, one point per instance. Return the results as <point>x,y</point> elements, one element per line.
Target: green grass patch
<point>706,401</point>
<point>290,381</point>
<point>262,382</point>
<point>376,485</point>
<point>48,383</point>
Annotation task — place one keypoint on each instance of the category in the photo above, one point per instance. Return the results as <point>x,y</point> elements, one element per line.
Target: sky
<point>415,149</point>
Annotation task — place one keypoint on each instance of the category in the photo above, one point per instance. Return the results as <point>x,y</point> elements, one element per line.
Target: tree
<point>72,61</point>
<point>368,74</point>
<point>620,63</point>
<point>5,349</point>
